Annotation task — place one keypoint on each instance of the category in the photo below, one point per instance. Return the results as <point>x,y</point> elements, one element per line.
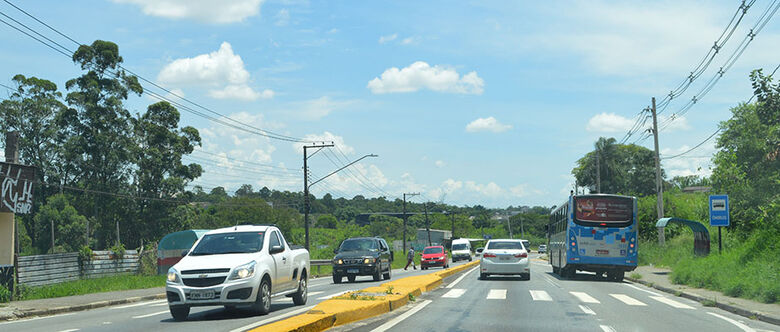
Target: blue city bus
<point>595,233</point>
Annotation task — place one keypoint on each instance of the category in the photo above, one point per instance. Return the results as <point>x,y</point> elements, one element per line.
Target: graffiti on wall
<point>16,188</point>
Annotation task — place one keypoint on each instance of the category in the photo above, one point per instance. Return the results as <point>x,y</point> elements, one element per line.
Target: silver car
<point>504,257</point>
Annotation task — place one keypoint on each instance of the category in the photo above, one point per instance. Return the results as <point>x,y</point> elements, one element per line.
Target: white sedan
<point>504,257</point>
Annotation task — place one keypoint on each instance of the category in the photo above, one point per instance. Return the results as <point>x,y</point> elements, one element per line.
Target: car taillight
<point>488,255</point>
<point>522,254</point>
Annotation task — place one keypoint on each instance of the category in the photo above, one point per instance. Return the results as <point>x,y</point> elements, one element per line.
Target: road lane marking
<point>540,295</point>
<point>671,302</point>
<point>273,319</point>
<point>70,330</point>
<point>315,293</point>
<point>627,299</point>
<point>36,318</point>
<point>497,294</point>
<point>606,328</point>
<point>454,293</point>
<point>452,284</point>
<point>150,315</point>
<point>159,304</point>
<point>583,297</point>
<point>643,290</point>
<point>333,295</point>
<point>551,282</point>
<point>386,326</point>
<point>138,304</point>
<point>736,323</point>
<point>587,310</point>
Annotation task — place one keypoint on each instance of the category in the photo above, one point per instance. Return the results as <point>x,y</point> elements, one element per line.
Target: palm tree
<point>608,171</point>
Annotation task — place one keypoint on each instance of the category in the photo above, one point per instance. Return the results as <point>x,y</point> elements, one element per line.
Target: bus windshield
<point>604,210</point>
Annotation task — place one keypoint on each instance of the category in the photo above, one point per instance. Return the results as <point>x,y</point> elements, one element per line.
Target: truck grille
<point>353,260</point>
<point>203,282</point>
<point>204,271</point>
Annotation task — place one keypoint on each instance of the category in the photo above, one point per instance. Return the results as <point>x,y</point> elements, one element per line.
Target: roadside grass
<point>89,286</point>
<point>636,276</point>
<point>748,268</point>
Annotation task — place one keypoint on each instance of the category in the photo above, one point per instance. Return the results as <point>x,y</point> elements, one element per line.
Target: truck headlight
<point>243,271</point>
<point>338,261</point>
<point>173,275</point>
<point>369,260</point>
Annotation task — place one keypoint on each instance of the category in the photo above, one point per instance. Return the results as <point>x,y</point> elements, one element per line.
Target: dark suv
<point>362,256</point>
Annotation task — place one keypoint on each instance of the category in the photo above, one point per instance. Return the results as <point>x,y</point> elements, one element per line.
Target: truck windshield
<point>459,246</point>
<point>358,245</point>
<point>229,243</point>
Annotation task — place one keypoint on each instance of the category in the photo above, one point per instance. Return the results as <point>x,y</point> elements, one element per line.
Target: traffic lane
<point>154,315</point>
<point>498,303</point>
<point>629,306</point>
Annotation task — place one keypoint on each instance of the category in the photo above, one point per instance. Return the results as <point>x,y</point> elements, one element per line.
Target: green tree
<point>327,221</point>
<point>747,166</point>
<point>69,225</point>
<point>97,134</point>
<point>160,173</point>
<point>625,169</point>
<point>31,110</point>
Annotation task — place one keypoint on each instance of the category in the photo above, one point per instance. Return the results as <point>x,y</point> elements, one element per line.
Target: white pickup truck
<point>238,266</point>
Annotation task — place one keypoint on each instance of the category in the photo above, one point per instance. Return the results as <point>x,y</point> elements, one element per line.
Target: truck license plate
<point>205,294</point>
<point>353,270</point>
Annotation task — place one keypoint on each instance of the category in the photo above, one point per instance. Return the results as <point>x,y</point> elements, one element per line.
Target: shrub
<point>5,294</point>
<point>118,250</point>
<point>147,263</point>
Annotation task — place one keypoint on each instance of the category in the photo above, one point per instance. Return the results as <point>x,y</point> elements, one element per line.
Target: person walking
<point>410,259</point>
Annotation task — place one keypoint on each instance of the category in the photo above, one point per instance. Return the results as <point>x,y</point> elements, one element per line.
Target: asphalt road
<point>154,315</point>
<point>547,303</point>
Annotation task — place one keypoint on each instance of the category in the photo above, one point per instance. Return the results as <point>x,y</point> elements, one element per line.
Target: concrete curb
<point>728,307</point>
<point>347,309</point>
<point>80,307</point>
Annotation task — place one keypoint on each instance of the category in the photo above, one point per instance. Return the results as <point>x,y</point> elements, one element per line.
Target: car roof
<point>240,228</point>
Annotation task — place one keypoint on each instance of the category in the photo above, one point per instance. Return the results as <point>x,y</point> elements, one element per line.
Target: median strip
<point>358,305</point>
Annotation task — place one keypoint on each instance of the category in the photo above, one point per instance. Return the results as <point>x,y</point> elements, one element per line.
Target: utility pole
<point>509,224</point>
<point>452,218</point>
<point>598,173</point>
<point>306,185</point>
<point>410,195</point>
<point>659,186</point>
<point>427,224</point>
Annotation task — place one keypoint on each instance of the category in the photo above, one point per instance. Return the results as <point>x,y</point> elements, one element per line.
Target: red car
<point>434,256</point>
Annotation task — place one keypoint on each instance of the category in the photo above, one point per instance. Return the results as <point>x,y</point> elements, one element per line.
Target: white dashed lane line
<point>139,304</point>
<point>454,293</point>
<point>152,314</point>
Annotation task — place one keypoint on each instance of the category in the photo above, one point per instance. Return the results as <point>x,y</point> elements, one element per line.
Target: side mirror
<point>276,249</point>
<point>185,252</point>
<point>336,251</point>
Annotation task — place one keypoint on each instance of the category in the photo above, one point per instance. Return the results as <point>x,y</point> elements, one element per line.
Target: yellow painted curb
<point>343,309</point>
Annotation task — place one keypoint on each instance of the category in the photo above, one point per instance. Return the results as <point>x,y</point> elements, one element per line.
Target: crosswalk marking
<point>540,295</point>
<point>627,299</point>
<point>606,328</point>
<point>583,297</point>
<point>497,294</point>
<point>587,310</point>
<point>454,293</point>
<point>671,302</point>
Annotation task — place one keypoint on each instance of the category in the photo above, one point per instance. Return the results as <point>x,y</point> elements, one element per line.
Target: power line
<point>255,130</point>
<point>245,161</point>
<point>241,168</point>
<point>695,147</point>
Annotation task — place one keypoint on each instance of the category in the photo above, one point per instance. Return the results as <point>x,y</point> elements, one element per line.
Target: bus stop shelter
<point>701,236</point>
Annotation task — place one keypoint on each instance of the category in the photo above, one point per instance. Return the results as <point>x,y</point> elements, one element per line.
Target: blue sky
<point>469,103</point>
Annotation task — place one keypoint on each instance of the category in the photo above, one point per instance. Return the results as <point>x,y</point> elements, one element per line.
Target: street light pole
<point>306,185</point>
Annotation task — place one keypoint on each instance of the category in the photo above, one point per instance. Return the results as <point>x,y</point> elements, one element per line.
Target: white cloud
<point>609,123</point>
<point>221,71</point>
<point>208,11</point>
<point>487,124</point>
<point>316,109</point>
<point>421,75</point>
<point>326,137</point>
<point>440,164</point>
<point>613,123</point>
<point>408,40</point>
<point>388,38</point>
<point>696,162</point>
<point>491,189</point>
<point>282,17</point>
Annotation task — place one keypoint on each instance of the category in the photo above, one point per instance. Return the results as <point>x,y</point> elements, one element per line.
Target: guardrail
<point>318,263</point>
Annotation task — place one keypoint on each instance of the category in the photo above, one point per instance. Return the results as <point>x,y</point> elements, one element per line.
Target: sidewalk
<point>658,278</point>
<point>45,307</point>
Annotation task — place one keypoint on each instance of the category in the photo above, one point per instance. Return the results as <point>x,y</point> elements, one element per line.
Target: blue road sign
<point>719,210</point>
